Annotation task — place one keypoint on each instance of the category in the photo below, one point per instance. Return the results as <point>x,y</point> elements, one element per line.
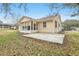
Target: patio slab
<point>56,38</point>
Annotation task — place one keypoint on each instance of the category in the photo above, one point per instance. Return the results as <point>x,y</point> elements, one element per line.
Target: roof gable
<point>25,18</point>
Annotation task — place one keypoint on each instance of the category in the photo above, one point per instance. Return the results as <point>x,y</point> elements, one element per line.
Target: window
<point>28,27</point>
<point>44,24</point>
<point>23,27</point>
<point>55,24</point>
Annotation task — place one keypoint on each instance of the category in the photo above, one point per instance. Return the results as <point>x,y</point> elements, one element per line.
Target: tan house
<point>50,24</point>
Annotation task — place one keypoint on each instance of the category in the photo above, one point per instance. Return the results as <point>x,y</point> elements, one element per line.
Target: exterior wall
<point>59,27</point>
<point>49,27</point>
<point>24,22</point>
<point>27,22</point>
<point>36,26</point>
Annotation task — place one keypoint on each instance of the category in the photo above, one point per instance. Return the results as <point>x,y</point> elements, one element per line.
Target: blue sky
<point>36,11</point>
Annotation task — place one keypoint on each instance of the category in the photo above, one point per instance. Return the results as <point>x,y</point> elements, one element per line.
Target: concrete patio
<point>56,38</point>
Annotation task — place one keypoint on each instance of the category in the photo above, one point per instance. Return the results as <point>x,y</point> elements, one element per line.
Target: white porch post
<point>20,28</point>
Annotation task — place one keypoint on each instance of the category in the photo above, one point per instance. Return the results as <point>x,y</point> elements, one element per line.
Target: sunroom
<point>28,27</point>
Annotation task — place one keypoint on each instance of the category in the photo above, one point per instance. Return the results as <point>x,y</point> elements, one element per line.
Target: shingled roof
<point>47,18</point>
<point>41,19</point>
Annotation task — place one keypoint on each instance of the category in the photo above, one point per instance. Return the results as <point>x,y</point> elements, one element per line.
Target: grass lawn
<point>12,43</point>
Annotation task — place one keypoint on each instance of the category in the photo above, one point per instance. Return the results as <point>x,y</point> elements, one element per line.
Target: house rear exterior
<point>50,24</point>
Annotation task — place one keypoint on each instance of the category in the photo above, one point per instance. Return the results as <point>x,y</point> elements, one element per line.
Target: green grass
<point>12,43</point>
<point>6,36</point>
<point>73,39</point>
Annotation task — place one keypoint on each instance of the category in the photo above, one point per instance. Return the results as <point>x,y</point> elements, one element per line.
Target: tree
<point>6,8</point>
<point>54,8</point>
<point>68,24</point>
<point>74,7</point>
<point>8,11</point>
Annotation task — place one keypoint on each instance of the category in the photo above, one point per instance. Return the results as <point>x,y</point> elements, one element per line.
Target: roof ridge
<point>48,16</point>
